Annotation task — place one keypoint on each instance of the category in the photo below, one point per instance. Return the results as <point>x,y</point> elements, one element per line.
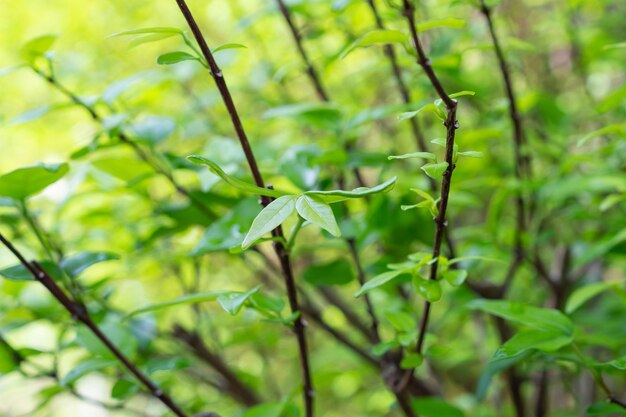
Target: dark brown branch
<point>402,87</point>
<point>521,161</point>
<point>310,69</point>
<point>80,313</point>
<point>233,384</point>
<point>279,248</point>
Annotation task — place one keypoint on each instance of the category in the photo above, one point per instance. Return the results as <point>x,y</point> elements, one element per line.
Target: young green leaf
<point>24,182</point>
<point>237,183</point>
<point>313,208</point>
<point>171,58</point>
<point>471,154</point>
<point>146,31</point>
<point>37,47</point>
<point>335,196</point>
<point>186,299</point>
<point>427,288</point>
<point>232,302</point>
<point>435,171</point>
<point>449,22</point>
<point>337,272</point>
<point>586,293</point>
<point>379,280</point>
<point>225,46</point>
<point>376,37</point>
<point>423,155</point>
<point>84,368</point>
<point>270,218</point>
<point>455,277</point>
<point>431,107</point>
<point>545,319</point>
<point>76,264</point>
<point>411,361</point>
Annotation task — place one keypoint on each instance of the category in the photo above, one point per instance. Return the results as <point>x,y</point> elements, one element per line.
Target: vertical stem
<point>310,69</point>
<point>402,87</point>
<point>279,248</point>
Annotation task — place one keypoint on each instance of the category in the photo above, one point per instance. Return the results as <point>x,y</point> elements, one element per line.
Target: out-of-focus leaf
<point>76,264</point>
<point>435,407</point>
<point>379,280</point>
<point>377,37</point>
<point>337,272</point>
<point>186,299</point>
<point>24,182</point>
<point>86,367</point>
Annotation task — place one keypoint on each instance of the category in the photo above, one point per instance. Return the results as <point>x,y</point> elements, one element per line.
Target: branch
<point>80,313</point>
<point>279,248</point>
<point>310,69</point>
<point>140,152</point>
<point>521,161</point>
<point>235,387</point>
<point>402,87</point>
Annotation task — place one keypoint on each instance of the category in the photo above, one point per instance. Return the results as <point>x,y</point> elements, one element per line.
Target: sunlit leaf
<point>24,182</point>
<point>270,218</point>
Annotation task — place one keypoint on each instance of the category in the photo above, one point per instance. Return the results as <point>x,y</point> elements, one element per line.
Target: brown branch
<point>279,248</point>
<point>402,87</point>
<point>80,313</point>
<point>320,90</point>
<point>234,386</point>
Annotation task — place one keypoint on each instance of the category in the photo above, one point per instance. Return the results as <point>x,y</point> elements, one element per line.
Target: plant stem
<point>451,125</point>
<point>402,87</point>
<point>310,69</point>
<point>521,161</point>
<point>35,229</point>
<point>80,313</point>
<point>279,248</point>
<point>294,233</point>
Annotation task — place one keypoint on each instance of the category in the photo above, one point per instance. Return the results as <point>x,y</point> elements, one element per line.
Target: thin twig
<point>80,313</point>
<point>125,138</point>
<point>279,248</point>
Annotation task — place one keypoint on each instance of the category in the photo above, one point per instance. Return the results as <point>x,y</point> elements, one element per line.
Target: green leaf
<point>37,47</point>
<point>8,360</point>
<point>145,31</point>
<point>237,183</point>
<point>171,58</point>
<point>434,407</point>
<point>423,155</point>
<point>232,302</point>
<point>448,22</point>
<point>586,293</point>
<point>313,208</point>
<point>154,129</point>
<point>411,361</point>
<point>335,196</point>
<point>265,410</point>
<point>120,336</point>
<point>76,264</point>
<point>86,367</point>
<point>379,280</point>
<point>455,277</point>
<point>225,46</point>
<point>321,115</point>
<point>401,321</point>
<point>230,229</point>
<point>605,409</point>
<point>471,154</point>
<point>148,38</point>
<point>435,171</point>
<point>270,218</point>
<point>376,37</point>
<point>337,272</point>
<point>462,93</point>
<point>24,182</point>
<point>123,389</point>
<point>431,107</point>
<point>20,273</point>
<point>427,288</point>
<point>186,299</point>
<point>549,320</point>
<point>619,363</point>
